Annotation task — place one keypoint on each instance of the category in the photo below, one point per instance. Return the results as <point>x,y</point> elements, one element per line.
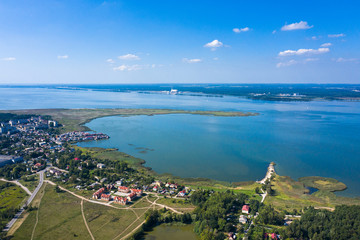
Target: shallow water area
<point>318,138</point>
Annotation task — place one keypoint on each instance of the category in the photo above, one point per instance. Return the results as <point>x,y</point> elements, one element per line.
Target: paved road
<point>17,215</point>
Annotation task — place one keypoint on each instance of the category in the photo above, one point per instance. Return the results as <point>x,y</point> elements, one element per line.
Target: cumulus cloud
<point>239,30</point>
<point>293,62</point>
<point>336,35</point>
<point>124,67</point>
<point>311,60</point>
<point>8,59</point>
<point>63,57</point>
<point>214,45</point>
<point>339,60</point>
<point>286,64</point>
<point>296,26</point>
<point>326,44</point>
<point>314,38</point>
<point>195,60</point>
<point>110,60</point>
<point>129,56</point>
<point>303,52</point>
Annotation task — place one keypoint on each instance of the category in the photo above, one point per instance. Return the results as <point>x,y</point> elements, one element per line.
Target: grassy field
<point>59,217</point>
<point>108,223</point>
<point>322,183</point>
<point>111,154</point>
<point>178,204</point>
<point>24,226</point>
<point>11,197</point>
<point>74,119</point>
<point>290,194</point>
<point>30,182</point>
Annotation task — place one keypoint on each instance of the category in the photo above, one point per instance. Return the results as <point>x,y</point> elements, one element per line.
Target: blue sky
<point>179,42</point>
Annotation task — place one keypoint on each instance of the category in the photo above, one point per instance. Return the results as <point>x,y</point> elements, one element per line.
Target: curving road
<point>32,196</point>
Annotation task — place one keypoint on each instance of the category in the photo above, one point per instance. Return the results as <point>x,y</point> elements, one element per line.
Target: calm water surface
<point>303,138</point>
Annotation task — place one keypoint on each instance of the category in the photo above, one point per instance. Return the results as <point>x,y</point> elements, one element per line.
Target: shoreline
<point>77,118</point>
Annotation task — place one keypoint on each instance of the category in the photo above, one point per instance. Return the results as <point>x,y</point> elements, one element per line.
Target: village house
<point>121,200</point>
<point>138,192</point>
<point>131,196</point>
<point>157,183</point>
<point>242,219</point>
<point>271,236</point>
<point>97,194</point>
<point>182,193</point>
<point>100,165</point>
<point>37,165</point>
<point>231,236</point>
<point>245,209</point>
<point>105,197</point>
<point>123,189</point>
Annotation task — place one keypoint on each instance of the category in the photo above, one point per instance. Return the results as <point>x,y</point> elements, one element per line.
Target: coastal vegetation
<point>212,207</point>
<point>323,183</point>
<point>290,194</point>
<point>74,119</point>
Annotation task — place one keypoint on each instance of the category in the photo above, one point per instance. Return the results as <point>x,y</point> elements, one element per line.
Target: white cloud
<point>286,64</point>
<point>195,60</point>
<point>326,44</point>
<point>336,35</point>
<point>296,26</point>
<point>124,67</point>
<point>311,60</point>
<point>239,30</point>
<point>293,62</point>
<point>214,44</point>
<point>129,56</point>
<point>110,60</point>
<point>215,58</point>
<point>8,59</point>
<point>63,57</point>
<point>303,52</point>
<point>346,60</point>
<point>314,38</point>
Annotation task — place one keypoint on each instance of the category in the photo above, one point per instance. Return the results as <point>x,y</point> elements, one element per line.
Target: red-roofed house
<point>182,193</point>
<point>131,196</point>
<point>121,200</point>
<point>245,209</point>
<point>123,189</point>
<point>105,197</point>
<point>97,194</point>
<point>138,192</point>
<point>271,235</point>
<point>37,165</point>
